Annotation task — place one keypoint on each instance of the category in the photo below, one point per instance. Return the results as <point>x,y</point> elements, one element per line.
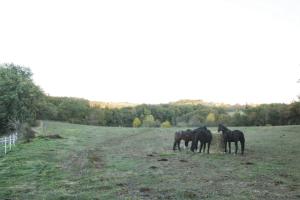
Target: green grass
<point>122,163</point>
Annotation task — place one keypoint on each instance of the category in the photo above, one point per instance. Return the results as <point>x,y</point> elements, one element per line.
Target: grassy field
<point>125,163</point>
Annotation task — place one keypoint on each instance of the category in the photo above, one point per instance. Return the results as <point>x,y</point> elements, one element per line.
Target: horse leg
<point>225,144</point>
<point>178,144</point>
<point>236,146</point>
<point>192,146</point>
<point>208,146</point>
<point>174,146</point>
<point>229,145</point>
<point>204,147</point>
<point>186,143</point>
<point>201,145</point>
<point>242,146</point>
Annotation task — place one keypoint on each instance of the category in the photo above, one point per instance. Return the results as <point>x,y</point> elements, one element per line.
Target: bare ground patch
<point>52,136</point>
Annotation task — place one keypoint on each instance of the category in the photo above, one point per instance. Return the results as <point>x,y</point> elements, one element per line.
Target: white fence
<point>6,143</point>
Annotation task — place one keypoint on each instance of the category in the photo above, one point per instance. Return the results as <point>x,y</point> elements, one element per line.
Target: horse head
<point>208,131</point>
<point>220,128</point>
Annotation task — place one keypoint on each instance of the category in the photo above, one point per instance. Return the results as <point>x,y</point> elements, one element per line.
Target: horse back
<point>188,136</point>
<point>239,134</point>
<point>204,135</point>
<point>208,136</point>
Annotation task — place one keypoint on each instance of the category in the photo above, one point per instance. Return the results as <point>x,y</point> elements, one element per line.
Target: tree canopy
<point>19,96</point>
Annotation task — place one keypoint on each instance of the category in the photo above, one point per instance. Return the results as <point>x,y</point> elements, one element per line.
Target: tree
<point>136,122</point>
<point>19,96</point>
<point>294,113</point>
<point>149,121</point>
<point>210,118</point>
<point>96,116</point>
<point>166,124</point>
<point>73,110</point>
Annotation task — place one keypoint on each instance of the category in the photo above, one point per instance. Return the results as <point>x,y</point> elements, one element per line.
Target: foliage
<point>27,133</point>
<point>166,124</point>
<point>20,97</point>
<point>210,119</point>
<point>294,113</point>
<point>136,122</point>
<point>149,121</point>
<point>79,111</point>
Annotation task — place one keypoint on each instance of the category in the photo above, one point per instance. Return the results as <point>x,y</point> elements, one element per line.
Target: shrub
<point>210,118</point>
<point>136,122</point>
<point>27,132</point>
<point>166,124</point>
<point>149,121</point>
<point>35,123</point>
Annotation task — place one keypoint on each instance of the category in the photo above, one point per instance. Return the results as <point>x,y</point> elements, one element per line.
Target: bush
<point>27,132</point>
<point>149,121</point>
<point>166,124</point>
<point>136,122</point>
<point>35,123</point>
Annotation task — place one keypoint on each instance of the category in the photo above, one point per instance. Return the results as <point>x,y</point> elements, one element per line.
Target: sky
<point>229,51</point>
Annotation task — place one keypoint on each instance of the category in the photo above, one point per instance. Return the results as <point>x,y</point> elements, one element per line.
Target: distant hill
<point>101,104</point>
<point>188,102</point>
<point>201,102</point>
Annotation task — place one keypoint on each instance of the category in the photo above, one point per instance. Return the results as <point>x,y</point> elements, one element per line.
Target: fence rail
<point>8,142</point>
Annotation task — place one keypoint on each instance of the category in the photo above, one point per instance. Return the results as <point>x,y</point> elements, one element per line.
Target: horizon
<point>170,102</point>
<point>233,52</point>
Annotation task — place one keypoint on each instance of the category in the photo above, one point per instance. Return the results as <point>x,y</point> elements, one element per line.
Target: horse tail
<point>242,139</point>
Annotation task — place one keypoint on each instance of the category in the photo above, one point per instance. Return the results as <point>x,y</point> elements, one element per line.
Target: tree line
<point>21,101</point>
<point>80,111</point>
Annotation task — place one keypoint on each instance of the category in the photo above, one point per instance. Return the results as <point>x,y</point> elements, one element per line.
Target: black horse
<point>203,135</point>
<point>187,136</point>
<point>232,136</point>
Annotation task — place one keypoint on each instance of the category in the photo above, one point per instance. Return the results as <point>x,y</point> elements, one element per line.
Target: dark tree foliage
<point>80,111</point>
<point>19,96</point>
<point>73,110</point>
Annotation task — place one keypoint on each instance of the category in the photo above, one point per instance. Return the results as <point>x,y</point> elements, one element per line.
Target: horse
<point>203,135</point>
<point>186,135</point>
<point>232,136</point>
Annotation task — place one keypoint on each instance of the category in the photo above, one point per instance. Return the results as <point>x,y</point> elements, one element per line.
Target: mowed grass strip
<point>138,163</point>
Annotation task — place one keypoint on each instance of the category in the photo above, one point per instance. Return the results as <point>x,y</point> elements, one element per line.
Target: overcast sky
<point>228,51</point>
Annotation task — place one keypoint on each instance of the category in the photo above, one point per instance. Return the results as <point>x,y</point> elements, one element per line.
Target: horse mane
<point>224,127</point>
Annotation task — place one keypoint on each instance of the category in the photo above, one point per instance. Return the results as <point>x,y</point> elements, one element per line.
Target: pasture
<point>138,163</point>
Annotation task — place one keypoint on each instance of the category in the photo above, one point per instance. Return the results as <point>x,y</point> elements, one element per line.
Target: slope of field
<point>126,163</point>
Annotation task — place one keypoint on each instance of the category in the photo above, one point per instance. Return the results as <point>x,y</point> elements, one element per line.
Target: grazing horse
<point>232,136</point>
<point>187,136</point>
<point>203,135</point>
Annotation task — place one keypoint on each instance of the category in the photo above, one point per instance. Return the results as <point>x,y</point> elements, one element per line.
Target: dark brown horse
<point>232,136</point>
<point>186,135</point>
<point>203,135</point>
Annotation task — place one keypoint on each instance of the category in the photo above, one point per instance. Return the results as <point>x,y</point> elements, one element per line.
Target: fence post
<point>4,145</point>
<point>10,142</point>
<point>14,138</point>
